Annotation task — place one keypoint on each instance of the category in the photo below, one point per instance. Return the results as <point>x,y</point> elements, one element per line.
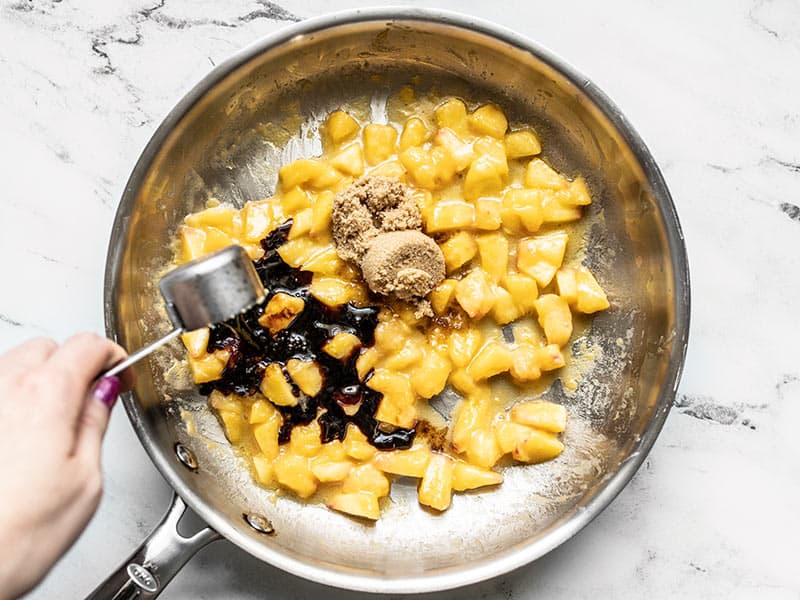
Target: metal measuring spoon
<point>202,292</point>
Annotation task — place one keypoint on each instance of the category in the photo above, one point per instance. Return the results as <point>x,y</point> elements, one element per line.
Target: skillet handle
<point>153,565</point>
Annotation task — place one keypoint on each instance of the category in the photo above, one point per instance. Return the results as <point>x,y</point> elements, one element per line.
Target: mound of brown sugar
<point>377,225</point>
<point>368,207</point>
<point>406,263</point>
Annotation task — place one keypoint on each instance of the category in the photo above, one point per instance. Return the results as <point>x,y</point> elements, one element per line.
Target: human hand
<point>52,422</point>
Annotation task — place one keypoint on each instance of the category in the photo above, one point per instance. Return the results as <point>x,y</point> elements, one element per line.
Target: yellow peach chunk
<point>472,414</point>
<point>547,416</point>
<point>488,120</point>
<point>306,374</point>
<point>266,434</point>
<point>308,172</point>
<point>327,471</point>
<point>280,311</point>
<point>488,213</point>
<point>541,256</point>
<point>406,463</point>
<point>470,477</point>
<point>458,250</point>
<point>357,504</point>
<point>484,178</point>
<point>538,447</point>
<point>509,434</point>
<point>301,223</point>
<point>442,295</point>
<point>430,377</point>
<point>356,445</point>
<point>340,127</point>
<point>209,367</point>
<point>540,175</point>
<point>522,143</point>
<point>293,472</point>
<point>331,291</point>
<point>366,478</point>
<point>276,388</point>
<point>260,412</point>
<point>475,293</point>
<point>493,250</point>
<point>525,364</point>
<point>349,160</point>
<point>549,358</point>
<point>494,358</point>
<point>233,424</point>
<point>324,261</point>
<point>294,200</point>
<point>451,215</point>
<point>193,242</point>
<point>196,341</point>
<point>590,297</point>
<point>452,114</point>
<point>379,142</point>
<point>305,439</point>
<point>523,290</point>
<point>555,318</point>
<point>265,474</point>
<point>415,133</point>
<point>567,284</point>
<point>483,449</point>
<point>342,345</point>
<point>505,309</point>
<point>436,487</point>
<point>463,344</point>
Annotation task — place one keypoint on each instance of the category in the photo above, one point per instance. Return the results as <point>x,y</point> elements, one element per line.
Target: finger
<point>28,355</point>
<point>93,421</point>
<point>85,356</point>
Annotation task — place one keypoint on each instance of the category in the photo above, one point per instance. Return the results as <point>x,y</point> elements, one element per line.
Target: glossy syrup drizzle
<point>252,347</point>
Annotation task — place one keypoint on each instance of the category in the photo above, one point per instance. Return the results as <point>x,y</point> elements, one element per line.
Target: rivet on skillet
<point>186,456</point>
<point>259,523</point>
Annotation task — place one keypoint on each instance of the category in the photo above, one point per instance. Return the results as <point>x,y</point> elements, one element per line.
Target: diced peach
<point>280,311</point>
<point>342,345</point>
<point>306,374</point>
<point>540,175</point>
<point>555,318</point>
<point>470,477</point>
<point>379,142</point>
<point>488,120</point>
<point>196,341</point>
<point>358,504</point>
<point>340,127</point>
<point>415,133</point>
<point>475,294</point>
<point>493,250</point>
<point>541,415</point>
<point>436,487</point>
<point>494,358</point>
<point>292,471</point>
<point>407,463</point>
<point>590,297</point>
<point>276,387</point>
<point>541,256</point>
<point>538,447</point>
<point>458,250</point>
<point>522,143</point>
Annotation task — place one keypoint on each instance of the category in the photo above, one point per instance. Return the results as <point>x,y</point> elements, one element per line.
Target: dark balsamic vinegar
<point>252,347</point>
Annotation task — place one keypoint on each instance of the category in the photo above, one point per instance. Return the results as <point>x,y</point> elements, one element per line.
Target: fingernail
<point>107,390</point>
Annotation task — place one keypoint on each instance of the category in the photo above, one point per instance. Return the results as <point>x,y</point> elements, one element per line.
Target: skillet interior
<point>227,138</point>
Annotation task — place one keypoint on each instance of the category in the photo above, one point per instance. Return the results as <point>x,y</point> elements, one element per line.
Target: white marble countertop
<point>713,88</point>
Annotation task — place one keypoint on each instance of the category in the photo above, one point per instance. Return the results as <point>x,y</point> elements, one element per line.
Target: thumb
<point>94,419</point>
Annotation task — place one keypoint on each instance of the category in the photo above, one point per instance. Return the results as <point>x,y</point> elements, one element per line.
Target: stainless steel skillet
<point>225,140</point>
